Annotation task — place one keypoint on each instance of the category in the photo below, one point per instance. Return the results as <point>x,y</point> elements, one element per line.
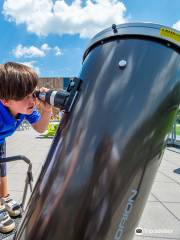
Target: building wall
<point>52,83</point>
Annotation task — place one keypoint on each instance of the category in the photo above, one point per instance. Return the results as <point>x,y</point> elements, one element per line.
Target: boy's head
<point>17,82</point>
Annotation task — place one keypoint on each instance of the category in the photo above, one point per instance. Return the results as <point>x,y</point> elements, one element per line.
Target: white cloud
<point>57,51</point>
<point>177,25</point>
<point>31,64</point>
<point>29,52</point>
<point>81,17</point>
<point>32,51</point>
<point>45,47</point>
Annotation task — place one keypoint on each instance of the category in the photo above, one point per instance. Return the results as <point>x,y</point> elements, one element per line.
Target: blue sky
<point>51,35</point>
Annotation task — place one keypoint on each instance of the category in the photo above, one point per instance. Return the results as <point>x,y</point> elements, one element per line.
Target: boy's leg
<point>11,206</point>
<point>6,223</point>
<point>3,177</point>
<point>3,187</point>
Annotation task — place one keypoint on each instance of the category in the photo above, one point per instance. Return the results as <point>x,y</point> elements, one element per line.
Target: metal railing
<point>29,175</point>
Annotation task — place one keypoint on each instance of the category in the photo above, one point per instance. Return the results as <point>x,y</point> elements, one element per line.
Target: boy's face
<point>24,106</point>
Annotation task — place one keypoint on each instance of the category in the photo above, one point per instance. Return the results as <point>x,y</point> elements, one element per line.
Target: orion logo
<point>127,211</point>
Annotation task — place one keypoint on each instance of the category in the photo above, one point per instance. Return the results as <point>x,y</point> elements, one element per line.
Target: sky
<point>51,36</point>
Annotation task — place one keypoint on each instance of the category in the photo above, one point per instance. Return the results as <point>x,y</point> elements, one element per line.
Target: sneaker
<point>6,223</point>
<point>13,208</point>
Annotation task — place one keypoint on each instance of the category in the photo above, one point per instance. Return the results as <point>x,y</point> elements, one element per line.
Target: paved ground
<point>161,217</point>
<point>33,146</point>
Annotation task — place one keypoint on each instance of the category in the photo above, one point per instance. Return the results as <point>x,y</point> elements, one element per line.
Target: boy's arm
<point>42,124</point>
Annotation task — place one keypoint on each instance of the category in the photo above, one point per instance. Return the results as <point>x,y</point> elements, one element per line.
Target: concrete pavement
<point>33,146</point>
<point>161,216</point>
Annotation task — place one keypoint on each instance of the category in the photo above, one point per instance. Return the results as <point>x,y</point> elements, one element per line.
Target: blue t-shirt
<point>9,124</point>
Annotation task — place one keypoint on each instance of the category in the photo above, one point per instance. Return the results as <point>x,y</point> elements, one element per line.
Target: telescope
<point>100,168</point>
<point>63,99</point>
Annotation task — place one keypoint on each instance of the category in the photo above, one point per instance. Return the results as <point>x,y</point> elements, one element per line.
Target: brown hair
<point>16,81</point>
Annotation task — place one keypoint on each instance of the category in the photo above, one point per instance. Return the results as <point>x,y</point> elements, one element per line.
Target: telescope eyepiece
<point>63,99</point>
<point>52,97</point>
<point>36,93</point>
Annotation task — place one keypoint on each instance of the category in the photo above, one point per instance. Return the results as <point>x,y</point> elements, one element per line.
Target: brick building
<point>52,83</point>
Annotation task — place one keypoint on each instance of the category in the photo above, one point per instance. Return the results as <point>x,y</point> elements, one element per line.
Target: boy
<point>17,83</point>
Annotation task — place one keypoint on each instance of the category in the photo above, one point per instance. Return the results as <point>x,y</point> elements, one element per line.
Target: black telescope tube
<point>98,175</point>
